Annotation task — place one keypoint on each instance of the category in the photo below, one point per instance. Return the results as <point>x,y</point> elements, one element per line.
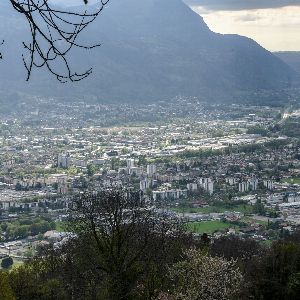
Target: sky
<point>275,24</point>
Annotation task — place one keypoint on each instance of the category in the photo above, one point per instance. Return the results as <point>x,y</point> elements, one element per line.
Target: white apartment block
<point>151,170</point>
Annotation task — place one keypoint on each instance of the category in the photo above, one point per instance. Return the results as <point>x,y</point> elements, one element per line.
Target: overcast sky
<point>275,24</point>
<point>243,4</point>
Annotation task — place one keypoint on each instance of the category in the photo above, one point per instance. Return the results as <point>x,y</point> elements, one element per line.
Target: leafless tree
<point>54,33</point>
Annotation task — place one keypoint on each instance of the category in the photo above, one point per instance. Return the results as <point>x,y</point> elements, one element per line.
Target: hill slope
<point>291,58</point>
<point>151,50</point>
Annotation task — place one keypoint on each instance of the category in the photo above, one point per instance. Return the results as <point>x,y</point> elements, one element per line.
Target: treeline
<point>24,227</point>
<point>248,148</point>
<point>291,128</point>
<point>121,249</point>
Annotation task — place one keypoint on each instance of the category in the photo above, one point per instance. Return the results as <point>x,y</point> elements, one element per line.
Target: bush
<point>7,262</point>
<point>201,276</point>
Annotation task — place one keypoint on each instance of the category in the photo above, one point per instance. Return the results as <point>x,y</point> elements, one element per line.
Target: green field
<point>242,208</point>
<point>292,180</point>
<point>208,226</point>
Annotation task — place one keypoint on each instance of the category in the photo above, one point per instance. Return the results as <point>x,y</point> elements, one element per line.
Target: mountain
<point>151,50</point>
<point>291,58</point>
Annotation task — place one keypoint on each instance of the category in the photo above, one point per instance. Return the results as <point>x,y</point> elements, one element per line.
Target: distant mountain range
<point>151,50</point>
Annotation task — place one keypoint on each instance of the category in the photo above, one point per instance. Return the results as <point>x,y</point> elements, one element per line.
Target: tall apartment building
<point>244,187</point>
<point>207,184</point>
<point>145,184</point>
<point>63,160</point>
<point>268,184</point>
<point>151,170</point>
<point>130,163</point>
<point>253,182</point>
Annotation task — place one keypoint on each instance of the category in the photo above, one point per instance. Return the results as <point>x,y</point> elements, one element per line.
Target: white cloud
<point>242,4</point>
<point>275,29</point>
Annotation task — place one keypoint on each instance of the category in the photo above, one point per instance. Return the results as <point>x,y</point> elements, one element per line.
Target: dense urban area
<point>222,170</point>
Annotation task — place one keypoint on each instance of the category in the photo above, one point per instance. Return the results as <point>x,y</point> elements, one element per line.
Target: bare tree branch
<point>2,42</point>
<point>54,33</point>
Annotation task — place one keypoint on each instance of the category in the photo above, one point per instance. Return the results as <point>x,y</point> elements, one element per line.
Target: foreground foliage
<point>201,276</point>
<point>120,249</point>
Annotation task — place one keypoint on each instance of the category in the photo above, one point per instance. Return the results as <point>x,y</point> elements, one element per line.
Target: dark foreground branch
<point>54,33</point>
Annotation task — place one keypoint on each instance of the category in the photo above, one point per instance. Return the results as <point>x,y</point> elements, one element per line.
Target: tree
<point>201,276</point>
<point>6,292</point>
<point>130,242</point>
<point>91,170</point>
<point>21,231</point>
<point>38,185</point>
<point>235,247</point>
<point>275,273</point>
<point>54,33</point>
<point>18,186</point>
<point>294,286</point>
<point>119,249</point>
<point>7,262</point>
<point>25,284</point>
<point>259,208</point>
<point>40,227</point>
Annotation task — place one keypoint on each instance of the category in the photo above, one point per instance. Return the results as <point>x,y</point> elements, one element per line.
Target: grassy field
<point>208,227</point>
<point>253,220</point>
<point>292,180</point>
<point>242,208</point>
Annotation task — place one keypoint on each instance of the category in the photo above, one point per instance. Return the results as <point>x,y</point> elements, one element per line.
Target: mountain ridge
<point>153,50</point>
<point>291,58</point>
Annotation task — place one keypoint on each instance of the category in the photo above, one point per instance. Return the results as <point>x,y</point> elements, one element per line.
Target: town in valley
<point>220,169</point>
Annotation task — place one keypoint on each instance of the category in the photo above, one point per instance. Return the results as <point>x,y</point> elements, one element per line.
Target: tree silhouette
<point>54,33</point>
<point>131,242</point>
<point>7,262</point>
